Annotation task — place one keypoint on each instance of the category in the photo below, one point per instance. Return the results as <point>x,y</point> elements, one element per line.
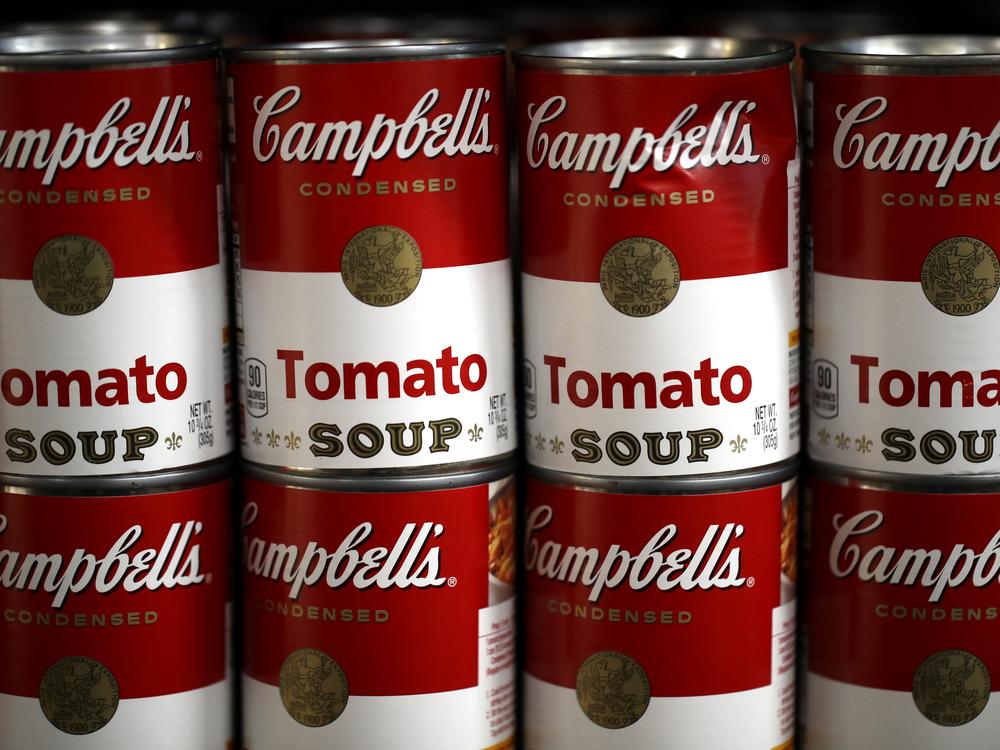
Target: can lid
<point>114,485</point>
<point>692,484</point>
<point>664,55</point>
<point>113,24</point>
<point>929,483</point>
<point>906,51</point>
<point>370,482</point>
<point>366,50</point>
<point>87,49</point>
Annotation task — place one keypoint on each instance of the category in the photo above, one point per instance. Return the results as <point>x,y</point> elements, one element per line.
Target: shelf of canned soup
<point>364,203</point>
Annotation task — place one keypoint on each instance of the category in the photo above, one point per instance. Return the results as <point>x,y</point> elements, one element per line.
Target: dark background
<point>522,22</point>
<point>519,23</point>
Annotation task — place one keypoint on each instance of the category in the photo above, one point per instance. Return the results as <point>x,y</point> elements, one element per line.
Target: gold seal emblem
<point>78,695</point>
<point>640,276</point>
<point>951,688</point>
<point>612,689</point>
<point>72,274</point>
<point>381,265</point>
<point>960,275</point>
<point>313,687</point>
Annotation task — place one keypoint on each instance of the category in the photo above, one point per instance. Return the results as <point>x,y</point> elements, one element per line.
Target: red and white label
<point>409,595</point>
<point>896,578</point>
<point>115,344</point>
<point>404,357</point>
<point>706,167</point>
<point>139,585</point>
<point>696,590</point>
<point>903,207</point>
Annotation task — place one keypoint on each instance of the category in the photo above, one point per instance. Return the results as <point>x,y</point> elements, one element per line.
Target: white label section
<point>193,720</point>
<point>839,715</point>
<point>112,378</point>
<point>726,337</point>
<point>497,680</point>
<point>761,719</point>
<point>895,385</point>
<point>329,382</point>
<point>477,718</point>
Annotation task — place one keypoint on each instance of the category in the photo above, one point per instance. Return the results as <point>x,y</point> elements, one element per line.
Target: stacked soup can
<point>659,184</point>
<point>114,395</point>
<point>905,522</point>
<point>375,331</point>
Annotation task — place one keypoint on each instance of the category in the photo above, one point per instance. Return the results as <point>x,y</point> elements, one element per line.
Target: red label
<point>389,585</point>
<point>686,585</point>
<point>324,151</point>
<point>899,164</point>
<point>897,576</point>
<point>127,157</point>
<point>138,583</point>
<point>599,153</point>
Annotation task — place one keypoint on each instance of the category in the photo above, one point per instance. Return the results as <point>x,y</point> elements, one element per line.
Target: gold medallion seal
<point>960,275</point>
<point>612,689</point>
<point>381,265</point>
<point>640,276</point>
<point>951,688</point>
<point>313,687</point>
<point>78,695</point>
<point>72,274</point>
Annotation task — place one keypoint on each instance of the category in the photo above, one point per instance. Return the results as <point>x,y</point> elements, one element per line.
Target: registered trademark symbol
<point>452,582</point>
<point>766,159</point>
<point>751,582</point>
<point>496,149</point>
<point>199,156</point>
<point>208,578</point>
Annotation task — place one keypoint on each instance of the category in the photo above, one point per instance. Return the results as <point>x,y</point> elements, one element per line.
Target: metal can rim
<point>929,483</point>
<point>96,25</point>
<point>913,54</point>
<point>124,485</point>
<point>421,471</point>
<point>683,55</point>
<point>378,483</point>
<point>366,50</point>
<point>700,484</point>
<point>91,49</point>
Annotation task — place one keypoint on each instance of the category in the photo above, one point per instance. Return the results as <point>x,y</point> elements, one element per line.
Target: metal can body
<point>901,617</point>
<point>114,619</point>
<point>659,619</point>
<point>381,618</point>
<point>659,215</point>
<point>114,348</point>
<point>903,374</point>
<point>375,310</point>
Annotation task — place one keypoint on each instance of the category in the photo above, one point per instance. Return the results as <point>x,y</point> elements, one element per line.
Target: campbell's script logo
<point>175,563</point>
<point>460,133</point>
<point>936,570</point>
<point>725,139</point>
<point>714,563</point>
<point>942,154</point>
<point>411,561</point>
<point>164,138</point>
